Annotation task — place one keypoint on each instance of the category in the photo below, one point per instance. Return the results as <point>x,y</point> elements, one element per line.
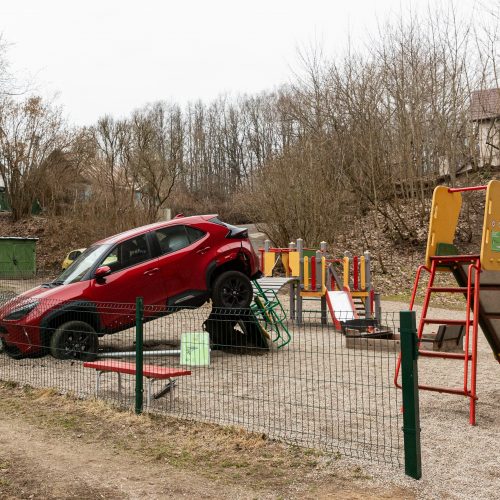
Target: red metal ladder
<point>469,357</point>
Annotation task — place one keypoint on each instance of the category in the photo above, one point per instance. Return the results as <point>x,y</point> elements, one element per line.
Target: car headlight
<point>20,312</point>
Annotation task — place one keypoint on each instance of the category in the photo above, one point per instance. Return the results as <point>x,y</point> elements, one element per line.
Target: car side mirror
<point>101,272</point>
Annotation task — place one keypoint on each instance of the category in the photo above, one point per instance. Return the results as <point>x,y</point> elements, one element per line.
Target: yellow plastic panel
<point>444,218</point>
<point>490,244</point>
<point>286,264</point>
<point>306,273</point>
<point>269,262</point>
<point>294,263</point>
<point>346,272</point>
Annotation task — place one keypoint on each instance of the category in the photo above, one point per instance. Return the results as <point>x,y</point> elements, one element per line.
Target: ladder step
<point>433,321</point>
<point>447,355</point>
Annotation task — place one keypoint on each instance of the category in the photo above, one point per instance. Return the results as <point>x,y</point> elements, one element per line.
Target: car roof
<point>117,238</point>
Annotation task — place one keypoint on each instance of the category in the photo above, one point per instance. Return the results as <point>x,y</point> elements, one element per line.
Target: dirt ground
<point>459,461</point>
<point>54,446</point>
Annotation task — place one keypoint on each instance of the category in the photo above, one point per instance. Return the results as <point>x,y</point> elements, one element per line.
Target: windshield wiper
<point>57,282</point>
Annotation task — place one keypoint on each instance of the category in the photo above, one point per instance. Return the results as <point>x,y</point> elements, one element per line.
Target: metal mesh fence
<point>13,283</point>
<point>323,388</point>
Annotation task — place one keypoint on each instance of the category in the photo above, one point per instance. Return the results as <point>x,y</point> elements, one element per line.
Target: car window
<point>74,255</point>
<point>82,265</point>
<point>194,234</point>
<point>172,238</point>
<point>126,254</point>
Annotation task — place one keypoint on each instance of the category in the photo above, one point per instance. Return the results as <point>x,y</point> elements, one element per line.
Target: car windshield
<point>81,266</point>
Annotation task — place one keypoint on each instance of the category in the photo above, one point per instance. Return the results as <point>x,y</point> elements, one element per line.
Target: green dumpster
<point>17,257</point>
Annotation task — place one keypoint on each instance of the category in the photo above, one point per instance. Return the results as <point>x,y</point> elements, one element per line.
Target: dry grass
<point>229,455</point>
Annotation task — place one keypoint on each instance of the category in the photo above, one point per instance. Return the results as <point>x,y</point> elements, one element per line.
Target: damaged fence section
<point>322,388</point>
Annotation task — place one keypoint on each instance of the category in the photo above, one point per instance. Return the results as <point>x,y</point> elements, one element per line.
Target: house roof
<point>485,104</point>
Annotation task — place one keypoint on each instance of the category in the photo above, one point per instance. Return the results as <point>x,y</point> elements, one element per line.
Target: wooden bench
<point>151,372</point>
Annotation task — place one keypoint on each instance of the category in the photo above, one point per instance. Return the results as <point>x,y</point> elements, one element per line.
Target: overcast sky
<point>112,56</point>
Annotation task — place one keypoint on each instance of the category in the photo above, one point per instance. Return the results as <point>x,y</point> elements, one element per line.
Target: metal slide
<point>489,304</point>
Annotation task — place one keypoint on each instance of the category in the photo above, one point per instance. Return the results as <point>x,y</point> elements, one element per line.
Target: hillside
<point>394,261</point>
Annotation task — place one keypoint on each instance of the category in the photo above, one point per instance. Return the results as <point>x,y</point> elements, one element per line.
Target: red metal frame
<point>470,188</point>
<point>355,273</point>
<point>472,295</point>
<point>313,273</point>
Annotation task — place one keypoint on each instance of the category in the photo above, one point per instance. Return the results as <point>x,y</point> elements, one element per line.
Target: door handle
<point>203,250</point>
<point>149,272</point>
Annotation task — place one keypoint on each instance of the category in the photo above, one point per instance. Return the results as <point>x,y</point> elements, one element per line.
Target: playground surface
<point>459,460</point>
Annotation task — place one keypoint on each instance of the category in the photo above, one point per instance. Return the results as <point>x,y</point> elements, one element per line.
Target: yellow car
<point>73,255</point>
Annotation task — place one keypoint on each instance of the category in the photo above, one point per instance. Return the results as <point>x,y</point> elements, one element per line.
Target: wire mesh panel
<point>15,282</point>
<point>326,389</point>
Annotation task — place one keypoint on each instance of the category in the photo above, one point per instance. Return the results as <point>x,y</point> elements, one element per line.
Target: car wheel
<point>232,289</point>
<point>74,340</point>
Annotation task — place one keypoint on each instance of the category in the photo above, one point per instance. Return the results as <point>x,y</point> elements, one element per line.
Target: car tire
<point>232,290</point>
<point>74,340</point>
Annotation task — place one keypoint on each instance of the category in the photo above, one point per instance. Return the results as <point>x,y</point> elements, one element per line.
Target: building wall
<point>489,133</point>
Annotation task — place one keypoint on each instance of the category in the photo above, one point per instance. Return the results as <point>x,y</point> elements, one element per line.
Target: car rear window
<point>194,233</point>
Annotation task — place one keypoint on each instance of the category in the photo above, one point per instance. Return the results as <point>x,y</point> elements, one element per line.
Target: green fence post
<point>139,318</point>
<point>409,378</point>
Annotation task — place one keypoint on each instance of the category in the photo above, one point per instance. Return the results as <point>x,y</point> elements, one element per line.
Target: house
<point>485,114</point>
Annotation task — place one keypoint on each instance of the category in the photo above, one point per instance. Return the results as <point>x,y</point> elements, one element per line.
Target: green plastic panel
<point>195,349</point>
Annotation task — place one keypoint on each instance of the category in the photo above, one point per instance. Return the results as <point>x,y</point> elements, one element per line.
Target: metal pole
<point>300,249</point>
<point>368,281</point>
<point>319,274</point>
<point>139,390</point>
<point>323,310</point>
<point>131,354</point>
<point>411,414</point>
<point>378,308</point>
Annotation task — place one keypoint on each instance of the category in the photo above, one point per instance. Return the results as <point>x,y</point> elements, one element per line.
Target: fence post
<point>139,318</point>
<point>411,414</point>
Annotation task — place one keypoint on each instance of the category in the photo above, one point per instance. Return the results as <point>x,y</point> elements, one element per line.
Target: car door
<point>134,273</point>
<point>181,250</point>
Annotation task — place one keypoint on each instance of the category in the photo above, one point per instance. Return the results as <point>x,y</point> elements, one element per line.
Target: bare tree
<point>30,132</point>
<point>156,154</point>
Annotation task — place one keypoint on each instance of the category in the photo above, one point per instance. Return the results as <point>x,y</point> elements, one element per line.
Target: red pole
<point>355,272</point>
<point>424,310</point>
<point>473,395</point>
<point>467,329</point>
<point>471,188</point>
<point>313,273</point>
<point>415,285</point>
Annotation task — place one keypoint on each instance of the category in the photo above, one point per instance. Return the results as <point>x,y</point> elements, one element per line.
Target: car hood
<point>45,295</point>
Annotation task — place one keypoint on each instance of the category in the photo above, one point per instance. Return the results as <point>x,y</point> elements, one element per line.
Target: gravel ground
<point>317,393</point>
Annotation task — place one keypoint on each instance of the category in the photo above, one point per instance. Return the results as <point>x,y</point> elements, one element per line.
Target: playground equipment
<point>270,314</point>
<point>343,285</point>
<point>478,279</point>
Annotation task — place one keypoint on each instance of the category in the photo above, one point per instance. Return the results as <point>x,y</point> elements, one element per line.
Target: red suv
<point>180,263</point>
